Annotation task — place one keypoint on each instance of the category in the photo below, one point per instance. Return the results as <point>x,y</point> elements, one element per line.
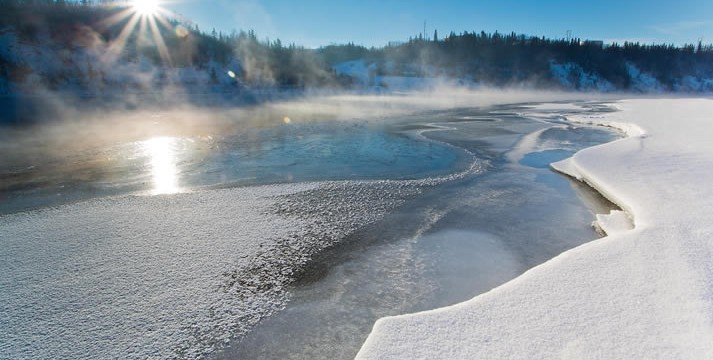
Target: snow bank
<point>171,276</point>
<point>643,82</point>
<point>573,76</point>
<point>168,276</point>
<point>86,70</point>
<point>359,70</point>
<point>367,76</point>
<point>132,277</point>
<point>641,293</point>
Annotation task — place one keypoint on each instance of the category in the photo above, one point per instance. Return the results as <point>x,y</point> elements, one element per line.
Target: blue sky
<point>314,23</point>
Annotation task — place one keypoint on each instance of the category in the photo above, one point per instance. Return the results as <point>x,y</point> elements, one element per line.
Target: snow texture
<point>614,222</point>
<point>171,276</point>
<point>87,70</point>
<point>359,70</point>
<point>555,107</point>
<point>643,82</point>
<point>640,293</point>
<point>572,76</point>
<point>693,84</point>
<point>131,277</point>
<point>367,76</point>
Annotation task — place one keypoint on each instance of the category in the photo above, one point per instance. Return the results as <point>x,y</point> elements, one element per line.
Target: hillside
<point>79,50</point>
<point>516,60</point>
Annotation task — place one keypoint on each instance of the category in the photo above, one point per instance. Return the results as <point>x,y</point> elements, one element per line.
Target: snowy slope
<point>641,293</point>
<point>361,72</point>
<point>164,277</point>
<point>643,82</point>
<point>137,277</point>
<point>86,70</point>
<point>134,277</point>
<point>572,76</point>
<point>369,76</point>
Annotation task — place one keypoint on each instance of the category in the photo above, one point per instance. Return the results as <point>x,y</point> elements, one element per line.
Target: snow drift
<point>640,293</point>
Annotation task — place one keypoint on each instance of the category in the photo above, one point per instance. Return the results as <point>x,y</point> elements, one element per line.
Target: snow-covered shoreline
<point>639,293</point>
<point>173,276</point>
<point>140,276</point>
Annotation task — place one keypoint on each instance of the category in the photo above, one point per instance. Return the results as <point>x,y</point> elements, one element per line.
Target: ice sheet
<point>133,277</point>
<point>172,276</point>
<point>168,276</point>
<point>556,107</point>
<point>641,293</point>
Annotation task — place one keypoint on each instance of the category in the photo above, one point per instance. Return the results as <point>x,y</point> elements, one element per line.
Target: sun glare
<point>144,16</point>
<point>146,7</point>
<point>161,152</point>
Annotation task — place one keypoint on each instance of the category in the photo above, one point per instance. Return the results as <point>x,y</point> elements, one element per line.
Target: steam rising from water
<point>73,130</point>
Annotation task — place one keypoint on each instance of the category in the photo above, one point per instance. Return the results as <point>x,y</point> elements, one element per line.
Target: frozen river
<point>173,246</point>
<point>454,241</point>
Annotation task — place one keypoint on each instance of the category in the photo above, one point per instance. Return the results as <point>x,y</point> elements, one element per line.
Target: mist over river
<point>280,241</point>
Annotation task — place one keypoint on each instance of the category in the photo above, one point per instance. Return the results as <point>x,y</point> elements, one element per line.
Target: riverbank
<point>189,271</point>
<point>641,293</point>
<point>452,242</point>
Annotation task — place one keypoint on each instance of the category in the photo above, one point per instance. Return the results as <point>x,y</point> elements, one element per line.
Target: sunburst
<point>147,8</point>
<point>142,15</point>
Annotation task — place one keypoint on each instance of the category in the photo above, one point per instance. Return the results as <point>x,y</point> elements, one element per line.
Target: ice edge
<point>567,167</point>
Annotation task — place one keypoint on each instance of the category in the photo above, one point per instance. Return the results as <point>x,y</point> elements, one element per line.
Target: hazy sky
<point>314,23</point>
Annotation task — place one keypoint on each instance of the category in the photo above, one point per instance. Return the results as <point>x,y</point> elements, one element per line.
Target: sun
<point>146,7</point>
<point>144,16</point>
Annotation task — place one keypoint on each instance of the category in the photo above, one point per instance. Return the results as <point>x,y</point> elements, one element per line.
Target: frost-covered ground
<point>570,76</point>
<point>167,276</point>
<point>645,292</point>
<point>132,276</point>
<point>171,276</point>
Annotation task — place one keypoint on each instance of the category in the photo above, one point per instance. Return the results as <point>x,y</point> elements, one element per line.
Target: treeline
<point>75,23</point>
<point>502,60</point>
<point>72,24</point>
<point>494,58</point>
<point>488,58</point>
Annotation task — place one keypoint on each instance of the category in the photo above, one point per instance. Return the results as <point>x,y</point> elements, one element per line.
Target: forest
<point>493,59</point>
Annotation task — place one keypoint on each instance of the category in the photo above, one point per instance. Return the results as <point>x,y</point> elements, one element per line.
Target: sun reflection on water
<point>161,152</point>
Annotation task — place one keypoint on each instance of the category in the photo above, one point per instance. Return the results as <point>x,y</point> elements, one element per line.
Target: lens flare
<point>181,32</point>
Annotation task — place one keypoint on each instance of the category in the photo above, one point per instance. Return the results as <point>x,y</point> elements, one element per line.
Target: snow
<point>132,276</point>
<point>573,76</point>
<point>365,75</point>
<point>557,107</point>
<point>614,222</point>
<point>171,276</point>
<point>645,292</point>
<point>643,82</point>
<point>86,70</point>
<point>690,84</point>
<point>167,276</point>
<point>362,72</point>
